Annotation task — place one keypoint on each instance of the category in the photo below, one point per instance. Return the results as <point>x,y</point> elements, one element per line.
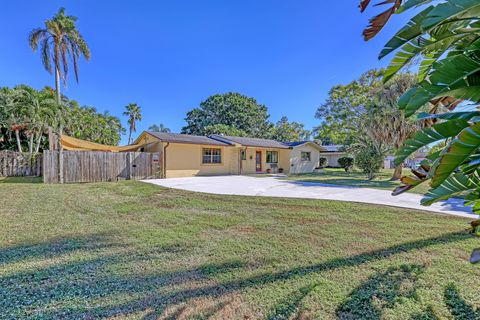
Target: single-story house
<point>333,153</point>
<point>190,155</point>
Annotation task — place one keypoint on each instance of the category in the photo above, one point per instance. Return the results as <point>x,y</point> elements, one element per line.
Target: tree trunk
<point>129,136</point>
<point>397,174</point>
<point>30,143</point>
<point>57,85</point>
<point>19,143</point>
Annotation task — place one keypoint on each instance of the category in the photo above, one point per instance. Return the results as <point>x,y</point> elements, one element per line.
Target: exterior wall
<point>185,160</point>
<point>332,158</point>
<point>248,165</point>
<point>299,166</point>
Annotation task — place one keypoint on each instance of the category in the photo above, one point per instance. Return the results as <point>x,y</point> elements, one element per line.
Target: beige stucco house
<point>189,155</point>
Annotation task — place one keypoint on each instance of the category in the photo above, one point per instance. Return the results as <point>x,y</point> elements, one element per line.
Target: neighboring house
<point>189,155</point>
<point>304,156</point>
<point>333,153</point>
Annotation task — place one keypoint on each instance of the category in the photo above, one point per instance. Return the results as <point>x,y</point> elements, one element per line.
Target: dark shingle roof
<point>334,148</point>
<point>251,142</point>
<point>186,138</point>
<point>295,143</point>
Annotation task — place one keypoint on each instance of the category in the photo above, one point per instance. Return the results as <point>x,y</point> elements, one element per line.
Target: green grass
<point>356,179</point>
<point>137,251</point>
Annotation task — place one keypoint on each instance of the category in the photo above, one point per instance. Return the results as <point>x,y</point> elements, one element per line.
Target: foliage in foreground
<point>136,251</point>
<point>445,37</point>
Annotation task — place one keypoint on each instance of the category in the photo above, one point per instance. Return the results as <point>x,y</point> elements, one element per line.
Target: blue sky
<point>168,56</point>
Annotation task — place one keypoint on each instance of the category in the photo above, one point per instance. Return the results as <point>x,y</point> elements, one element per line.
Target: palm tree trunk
<point>57,85</point>
<point>129,135</point>
<point>19,144</point>
<point>60,131</point>
<point>397,173</point>
<point>30,144</point>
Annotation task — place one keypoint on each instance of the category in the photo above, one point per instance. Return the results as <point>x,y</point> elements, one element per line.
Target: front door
<point>258,161</point>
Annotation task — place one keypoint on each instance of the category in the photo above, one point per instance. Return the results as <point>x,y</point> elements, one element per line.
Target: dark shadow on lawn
<point>381,291</point>
<point>458,307</point>
<point>73,285</point>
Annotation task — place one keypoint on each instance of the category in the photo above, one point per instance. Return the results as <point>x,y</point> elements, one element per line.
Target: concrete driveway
<point>276,187</point>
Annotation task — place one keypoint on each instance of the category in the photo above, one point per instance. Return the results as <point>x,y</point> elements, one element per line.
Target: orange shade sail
<point>74,144</point>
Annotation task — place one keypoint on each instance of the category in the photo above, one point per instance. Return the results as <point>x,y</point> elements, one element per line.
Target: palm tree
<point>134,114</point>
<point>59,39</point>
<point>159,128</point>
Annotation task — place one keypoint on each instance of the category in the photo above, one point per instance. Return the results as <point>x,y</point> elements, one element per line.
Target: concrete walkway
<point>276,187</point>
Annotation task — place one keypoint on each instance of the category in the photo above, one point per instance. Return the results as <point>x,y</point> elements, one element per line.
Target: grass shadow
<point>381,291</point>
<point>458,307</point>
<point>63,290</point>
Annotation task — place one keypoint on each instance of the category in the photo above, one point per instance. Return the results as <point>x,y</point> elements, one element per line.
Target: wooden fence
<point>17,164</point>
<point>96,166</point>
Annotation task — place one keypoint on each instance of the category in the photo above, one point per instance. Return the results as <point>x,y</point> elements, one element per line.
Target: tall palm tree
<point>159,128</point>
<point>58,40</point>
<point>134,114</point>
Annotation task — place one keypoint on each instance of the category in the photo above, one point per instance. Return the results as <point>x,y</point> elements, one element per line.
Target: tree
<point>58,40</point>
<point>159,128</point>
<point>232,110</point>
<point>368,106</point>
<point>290,131</point>
<point>225,130</point>
<point>26,114</point>
<point>134,114</point>
<point>341,113</point>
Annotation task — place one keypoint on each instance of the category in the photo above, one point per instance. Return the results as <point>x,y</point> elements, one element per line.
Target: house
<point>189,155</point>
<point>333,153</point>
<point>304,156</point>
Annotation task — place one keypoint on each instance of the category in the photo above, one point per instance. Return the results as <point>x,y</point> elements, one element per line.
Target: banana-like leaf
<point>411,4</point>
<point>448,75</point>
<point>465,115</point>
<point>412,30</point>
<point>431,49</point>
<point>454,185</point>
<point>452,9</point>
<point>458,151</point>
<point>429,135</point>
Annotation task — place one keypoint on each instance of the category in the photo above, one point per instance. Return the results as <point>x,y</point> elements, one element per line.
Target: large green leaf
<point>450,10</point>
<point>465,115</point>
<point>441,40</point>
<point>458,150</point>
<point>454,185</point>
<point>429,135</point>
<point>412,30</point>
<point>447,75</point>
<point>411,4</point>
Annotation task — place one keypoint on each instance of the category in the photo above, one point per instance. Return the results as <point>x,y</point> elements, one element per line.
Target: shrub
<point>346,163</point>
<point>322,162</point>
<point>369,158</point>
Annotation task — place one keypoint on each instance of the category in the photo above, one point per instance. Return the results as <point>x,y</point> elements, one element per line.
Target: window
<point>306,156</point>
<point>212,156</point>
<point>243,155</point>
<point>272,157</point>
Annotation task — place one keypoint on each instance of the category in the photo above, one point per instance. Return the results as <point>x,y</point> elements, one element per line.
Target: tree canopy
<point>285,130</point>
<point>26,114</point>
<point>233,111</point>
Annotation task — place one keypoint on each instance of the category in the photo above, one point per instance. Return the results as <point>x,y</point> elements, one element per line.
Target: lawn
<point>137,251</point>
<point>357,179</point>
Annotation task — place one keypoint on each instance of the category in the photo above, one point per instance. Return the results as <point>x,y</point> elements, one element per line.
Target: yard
<point>357,178</point>
<point>132,250</point>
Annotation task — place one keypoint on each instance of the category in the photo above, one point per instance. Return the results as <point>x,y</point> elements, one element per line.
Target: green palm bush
<point>445,37</point>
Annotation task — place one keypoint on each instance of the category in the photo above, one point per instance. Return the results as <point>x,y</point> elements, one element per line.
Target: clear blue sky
<point>168,56</point>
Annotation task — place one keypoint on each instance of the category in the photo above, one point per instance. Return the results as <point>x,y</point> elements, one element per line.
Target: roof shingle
<point>186,138</point>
